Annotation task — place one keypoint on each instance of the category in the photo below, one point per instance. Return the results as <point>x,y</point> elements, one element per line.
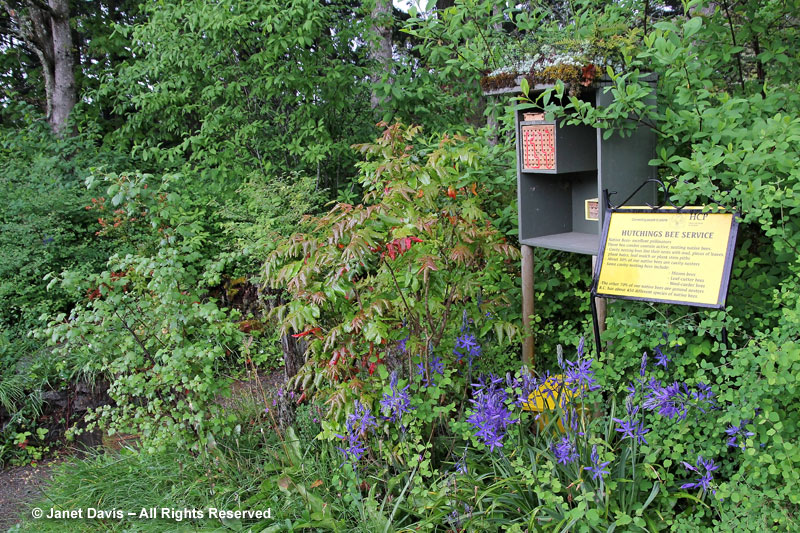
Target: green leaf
<point>692,26</point>
<point>524,86</point>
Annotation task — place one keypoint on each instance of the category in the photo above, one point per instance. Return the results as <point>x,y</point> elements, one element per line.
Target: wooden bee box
<point>548,147</point>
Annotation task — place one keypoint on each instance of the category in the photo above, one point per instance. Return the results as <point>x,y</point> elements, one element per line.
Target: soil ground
<point>19,486</point>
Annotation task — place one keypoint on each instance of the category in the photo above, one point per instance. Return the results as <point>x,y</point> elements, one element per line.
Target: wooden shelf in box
<point>573,241</point>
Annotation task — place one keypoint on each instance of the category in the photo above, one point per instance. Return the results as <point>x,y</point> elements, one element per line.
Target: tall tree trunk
<point>381,49</point>
<point>63,96</point>
<point>44,27</point>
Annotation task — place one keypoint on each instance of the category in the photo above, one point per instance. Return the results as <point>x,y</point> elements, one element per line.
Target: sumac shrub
<point>389,280</point>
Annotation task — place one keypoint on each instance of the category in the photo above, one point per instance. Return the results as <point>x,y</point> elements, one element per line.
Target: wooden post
<point>527,306</point>
<point>599,302</point>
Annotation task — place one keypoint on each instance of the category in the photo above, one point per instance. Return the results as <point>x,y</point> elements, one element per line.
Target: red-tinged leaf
<point>460,253</point>
<point>318,298</point>
<point>316,484</point>
<point>428,265</point>
<point>314,331</point>
<point>358,322</point>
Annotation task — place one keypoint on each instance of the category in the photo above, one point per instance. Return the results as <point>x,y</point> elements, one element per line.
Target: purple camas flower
<point>564,451</point>
<point>490,415</point>
<point>704,468</point>
<point>401,344</point>
<point>643,367</point>
<point>734,432</point>
<point>631,392</point>
<point>357,424</point>
<point>467,346</point>
<point>526,385</point>
<point>579,375</point>
<point>361,419</point>
<point>703,393</point>
<point>675,400</point>
<point>461,464</point>
<point>597,469</point>
<point>436,367</point>
<point>661,358</point>
<point>632,429</point>
<point>396,404</point>
<point>669,400</point>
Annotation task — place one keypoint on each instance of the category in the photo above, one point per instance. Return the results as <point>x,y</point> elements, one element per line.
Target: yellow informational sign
<point>667,256</point>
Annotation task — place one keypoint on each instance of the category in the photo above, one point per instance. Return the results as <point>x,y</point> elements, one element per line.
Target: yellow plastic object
<point>547,397</point>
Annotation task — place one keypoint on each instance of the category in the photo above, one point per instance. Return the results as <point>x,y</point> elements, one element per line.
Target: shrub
<point>398,270</point>
<point>147,322</point>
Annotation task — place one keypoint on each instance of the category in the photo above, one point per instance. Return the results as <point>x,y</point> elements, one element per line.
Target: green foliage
<point>45,226</point>
<point>234,87</point>
<point>266,210</point>
<point>401,265</point>
<point>148,322</point>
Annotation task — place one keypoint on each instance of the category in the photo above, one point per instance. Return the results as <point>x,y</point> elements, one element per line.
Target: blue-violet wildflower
<point>597,469</point>
<point>396,404</point>
<point>734,432</point>
<point>704,468</point>
<point>357,424</point>
<point>632,429</point>
<point>467,346</point>
<point>661,357</point>
<point>580,376</point>
<point>564,451</point>
<point>490,415</point>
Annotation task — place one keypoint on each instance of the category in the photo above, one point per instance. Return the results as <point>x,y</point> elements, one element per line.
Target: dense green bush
<point>230,87</point>
<point>45,226</point>
<point>148,322</point>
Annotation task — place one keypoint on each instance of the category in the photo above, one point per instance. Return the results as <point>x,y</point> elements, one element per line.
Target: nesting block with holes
<point>552,148</point>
